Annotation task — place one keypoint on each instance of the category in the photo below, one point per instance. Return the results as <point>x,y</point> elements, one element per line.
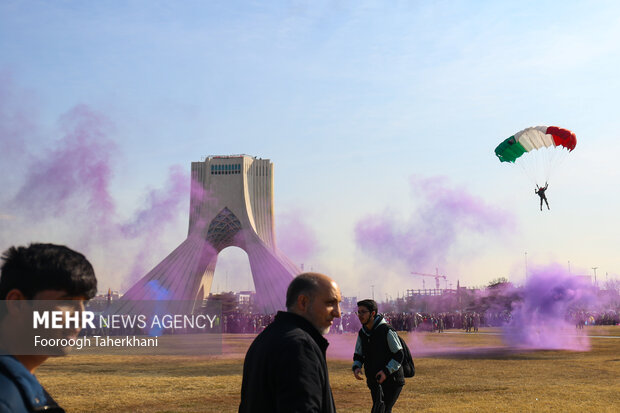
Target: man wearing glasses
<point>379,352</point>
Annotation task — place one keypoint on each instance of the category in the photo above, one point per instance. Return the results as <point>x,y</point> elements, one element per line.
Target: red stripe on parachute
<point>563,137</point>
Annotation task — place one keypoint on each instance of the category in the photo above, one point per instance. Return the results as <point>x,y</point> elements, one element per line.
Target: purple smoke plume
<point>161,205</point>
<point>542,319</point>
<point>432,231</point>
<point>75,175</point>
<point>295,237</point>
<point>63,185</point>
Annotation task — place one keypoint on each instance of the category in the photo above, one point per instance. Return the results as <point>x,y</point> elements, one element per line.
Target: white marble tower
<point>231,204</point>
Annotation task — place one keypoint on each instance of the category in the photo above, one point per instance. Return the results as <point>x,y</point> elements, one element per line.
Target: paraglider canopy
<point>538,150</point>
<point>534,138</point>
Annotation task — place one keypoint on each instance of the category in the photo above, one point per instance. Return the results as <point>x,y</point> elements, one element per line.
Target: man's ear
<point>302,302</point>
<point>14,301</point>
<point>15,294</point>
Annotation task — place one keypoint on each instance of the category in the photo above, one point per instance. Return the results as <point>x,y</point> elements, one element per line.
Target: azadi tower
<point>231,204</point>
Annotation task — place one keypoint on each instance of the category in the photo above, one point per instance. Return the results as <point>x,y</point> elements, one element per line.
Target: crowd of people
<point>590,318</point>
<point>469,321</point>
<point>242,322</point>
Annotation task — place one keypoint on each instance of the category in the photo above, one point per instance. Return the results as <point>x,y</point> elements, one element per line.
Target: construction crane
<point>436,276</point>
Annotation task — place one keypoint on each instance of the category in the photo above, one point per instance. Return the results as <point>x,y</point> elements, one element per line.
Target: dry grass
<point>476,375</point>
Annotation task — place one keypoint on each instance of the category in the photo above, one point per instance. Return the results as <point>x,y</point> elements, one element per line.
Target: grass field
<point>455,372</point>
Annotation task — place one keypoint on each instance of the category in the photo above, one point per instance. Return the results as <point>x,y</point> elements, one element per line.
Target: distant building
<point>111,295</point>
<point>245,298</point>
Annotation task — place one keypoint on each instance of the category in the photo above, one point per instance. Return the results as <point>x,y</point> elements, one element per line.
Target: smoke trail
<point>160,206</point>
<point>75,175</point>
<point>63,193</point>
<point>295,237</point>
<point>540,320</point>
<point>433,231</point>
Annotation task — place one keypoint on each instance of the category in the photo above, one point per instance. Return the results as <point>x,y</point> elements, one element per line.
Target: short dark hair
<point>371,305</point>
<point>307,283</point>
<point>40,267</point>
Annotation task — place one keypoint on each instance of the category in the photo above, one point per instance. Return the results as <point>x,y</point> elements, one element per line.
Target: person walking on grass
<point>379,352</point>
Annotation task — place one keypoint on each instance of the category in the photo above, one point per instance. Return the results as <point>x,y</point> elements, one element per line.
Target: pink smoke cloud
<point>75,174</point>
<point>59,189</point>
<point>295,237</point>
<point>541,319</point>
<point>161,205</point>
<point>434,230</point>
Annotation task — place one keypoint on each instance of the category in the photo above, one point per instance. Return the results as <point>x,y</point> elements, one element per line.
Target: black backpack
<point>407,364</point>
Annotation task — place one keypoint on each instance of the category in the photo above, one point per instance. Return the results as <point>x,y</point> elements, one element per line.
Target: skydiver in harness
<point>541,194</point>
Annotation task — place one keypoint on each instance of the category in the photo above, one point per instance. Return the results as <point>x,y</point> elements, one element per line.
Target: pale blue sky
<point>349,100</point>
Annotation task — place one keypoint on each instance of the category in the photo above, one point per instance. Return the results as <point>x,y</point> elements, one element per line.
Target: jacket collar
<point>299,321</point>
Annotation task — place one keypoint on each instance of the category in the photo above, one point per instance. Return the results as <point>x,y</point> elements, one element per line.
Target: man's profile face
<point>324,307</point>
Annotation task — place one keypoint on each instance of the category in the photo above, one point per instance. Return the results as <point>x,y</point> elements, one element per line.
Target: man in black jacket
<point>285,368</point>
<point>379,351</point>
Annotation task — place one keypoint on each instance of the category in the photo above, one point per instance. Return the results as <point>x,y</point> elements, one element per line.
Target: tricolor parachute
<point>537,150</point>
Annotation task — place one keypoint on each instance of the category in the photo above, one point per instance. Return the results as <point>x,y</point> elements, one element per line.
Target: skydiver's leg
<point>545,203</point>
<point>541,203</point>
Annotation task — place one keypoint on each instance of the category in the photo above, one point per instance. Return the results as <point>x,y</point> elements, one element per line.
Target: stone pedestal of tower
<point>231,204</point>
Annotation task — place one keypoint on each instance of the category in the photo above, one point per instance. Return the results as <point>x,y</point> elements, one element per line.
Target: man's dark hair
<point>307,284</point>
<point>371,305</point>
<point>40,267</point>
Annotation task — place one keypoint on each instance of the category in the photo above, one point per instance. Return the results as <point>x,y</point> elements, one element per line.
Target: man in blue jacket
<point>37,272</point>
<point>285,368</point>
<point>379,351</point>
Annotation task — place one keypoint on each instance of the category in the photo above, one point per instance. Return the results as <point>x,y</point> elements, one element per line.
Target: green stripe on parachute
<point>509,150</point>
